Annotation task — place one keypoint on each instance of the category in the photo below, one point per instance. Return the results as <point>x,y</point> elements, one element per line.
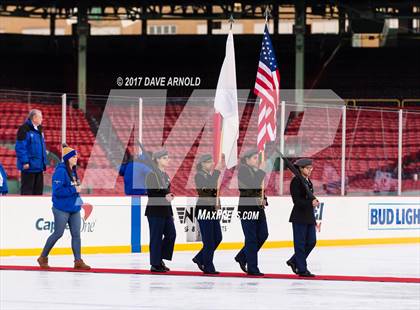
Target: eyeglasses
<point>310,168</point>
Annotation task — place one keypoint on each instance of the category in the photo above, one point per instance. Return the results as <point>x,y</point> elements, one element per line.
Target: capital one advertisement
<point>26,222</point>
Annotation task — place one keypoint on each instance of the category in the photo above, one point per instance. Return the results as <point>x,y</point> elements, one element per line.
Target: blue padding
<point>135,224</point>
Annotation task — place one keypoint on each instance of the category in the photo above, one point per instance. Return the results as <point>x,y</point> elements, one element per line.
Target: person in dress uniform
<point>251,212</point>
<point>302,218</point>
<point>206,212</point>
<point>159,213</point>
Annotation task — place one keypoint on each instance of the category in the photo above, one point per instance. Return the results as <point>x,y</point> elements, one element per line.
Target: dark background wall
<point>50,63</point>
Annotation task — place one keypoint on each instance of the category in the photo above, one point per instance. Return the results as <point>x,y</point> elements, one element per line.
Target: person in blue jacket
<point>3,181</point>
<point>134,172</point>
<point>31,154</point>
<point>66,208</point>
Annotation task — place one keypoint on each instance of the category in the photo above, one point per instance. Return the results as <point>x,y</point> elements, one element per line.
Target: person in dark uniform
<point>159,213</point>
<point>302,218</point>
<point>251,212</point>
<point>206,212</point>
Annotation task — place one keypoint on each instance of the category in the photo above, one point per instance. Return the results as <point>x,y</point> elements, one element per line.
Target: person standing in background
<point>3,181</point>
<point>134,171</point>
<point>31,154</point>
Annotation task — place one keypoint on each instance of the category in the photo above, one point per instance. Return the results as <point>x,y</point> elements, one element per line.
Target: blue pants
<point>61,219</point>
<point>162,238</point>
<point>256,232</point>
<point>211,234</point>
<point>304,240</point>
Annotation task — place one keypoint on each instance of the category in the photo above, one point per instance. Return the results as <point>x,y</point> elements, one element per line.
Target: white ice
<point>55,290</point>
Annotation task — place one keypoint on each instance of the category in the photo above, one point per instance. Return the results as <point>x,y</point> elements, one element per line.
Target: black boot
<point>306,274</point>
<point>195,261</point>
<point>157,268</point>
<point>162,264</point>
<point>241,264</point>
<point>292,265</point>
<point>255,273</point>
<point>211,272</point>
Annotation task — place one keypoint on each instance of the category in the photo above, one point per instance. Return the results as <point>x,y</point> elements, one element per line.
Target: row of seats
<point>362,157</point>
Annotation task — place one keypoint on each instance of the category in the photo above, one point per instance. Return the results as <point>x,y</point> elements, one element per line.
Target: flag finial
<point>267,14</point>
<point>231,20</point>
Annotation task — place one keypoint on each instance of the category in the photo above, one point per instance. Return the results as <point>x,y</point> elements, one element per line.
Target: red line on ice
<point>222,274</point>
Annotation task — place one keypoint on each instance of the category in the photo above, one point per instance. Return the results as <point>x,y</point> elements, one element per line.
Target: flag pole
<point>266,15</point>
<point>219,180</point>
<point>219,155</point>
<point>262,183</point>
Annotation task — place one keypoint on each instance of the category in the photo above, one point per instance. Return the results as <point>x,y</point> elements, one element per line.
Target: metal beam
<point>341,21</point>
<point>275,15</point>
<point>209,21</point>
<point>400,153</point>
<point>82,34</point>
<point>144,21</point>
<point>343,150</point>
<point>185,12</point>
<point>299,30</point>
<point>52,25</point>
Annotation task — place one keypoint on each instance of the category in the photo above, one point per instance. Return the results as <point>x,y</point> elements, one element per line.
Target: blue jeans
<point>162,238</point>
<point>304,240</point>
<point>211,234</point>
<point>61,219</point>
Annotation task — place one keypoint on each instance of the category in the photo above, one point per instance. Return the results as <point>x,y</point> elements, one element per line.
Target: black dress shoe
<point>306,274</point>
<point>242,265</point>
<point>292,265</point>
<point>257,273</point>
<point>195,261</point>
<point>211,272</point>
<point>162,264</point>
<point>157,268</point>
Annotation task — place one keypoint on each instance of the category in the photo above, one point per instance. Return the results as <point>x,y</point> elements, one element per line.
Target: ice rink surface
<point>65,290</point>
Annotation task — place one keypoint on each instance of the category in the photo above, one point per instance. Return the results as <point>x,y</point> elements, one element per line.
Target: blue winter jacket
<point>134,173</point>
<point>3,186</point>
<point>64,194</point>
<point>30,148</point>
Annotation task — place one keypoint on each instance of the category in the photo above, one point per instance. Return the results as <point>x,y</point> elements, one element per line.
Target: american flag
<point>266,88</point>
